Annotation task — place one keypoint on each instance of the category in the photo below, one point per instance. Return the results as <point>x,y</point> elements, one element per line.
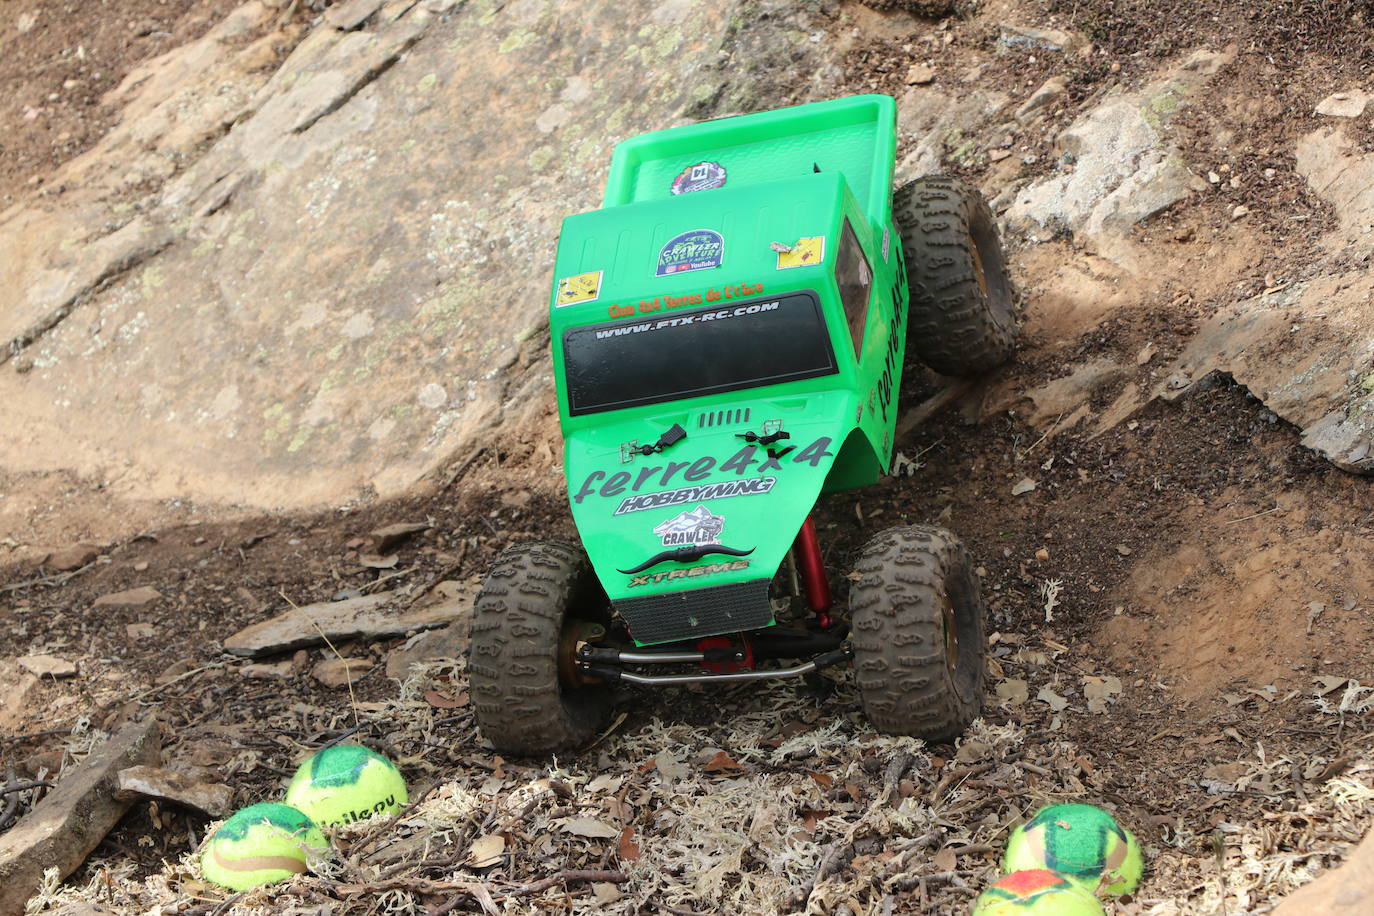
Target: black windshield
<point>669,356</point>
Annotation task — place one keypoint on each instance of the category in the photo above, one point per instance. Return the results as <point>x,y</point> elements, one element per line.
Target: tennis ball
<point>1036,892</point>
<point>261,844</point>
<point>1082,842</point>
<point>346,783</point>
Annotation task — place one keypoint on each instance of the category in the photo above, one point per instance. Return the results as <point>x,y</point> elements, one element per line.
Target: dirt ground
<point>1195,568</point>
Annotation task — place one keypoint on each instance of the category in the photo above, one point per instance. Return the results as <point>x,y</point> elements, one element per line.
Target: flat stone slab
<point>134,597</point>
<point>14,710</point>
<point>446,642</point>
<point>339,672</point>
<point>364,617</point>
<point>214,799</point>
<point>48,666</point>
<point>63,829</point>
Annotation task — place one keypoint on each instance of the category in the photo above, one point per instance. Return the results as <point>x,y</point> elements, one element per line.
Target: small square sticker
<point>578,288</point>
<point>887,242</point>
<point>805,253</point>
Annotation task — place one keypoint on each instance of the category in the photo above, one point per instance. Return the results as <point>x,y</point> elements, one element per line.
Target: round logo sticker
<point>700,177</point>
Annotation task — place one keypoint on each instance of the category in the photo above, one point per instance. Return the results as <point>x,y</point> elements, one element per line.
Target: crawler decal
<point>697,526</point>
<point>696,249</point>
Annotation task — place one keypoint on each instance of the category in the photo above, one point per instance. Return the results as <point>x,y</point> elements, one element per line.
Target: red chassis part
<point>811,568</point>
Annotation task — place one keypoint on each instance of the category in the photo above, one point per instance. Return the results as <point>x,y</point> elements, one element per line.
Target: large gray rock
<point>350,286</point>
<point>1118,166</point>
<point>1306,351</point>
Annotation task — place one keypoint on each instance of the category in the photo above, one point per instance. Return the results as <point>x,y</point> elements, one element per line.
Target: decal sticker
<point>805,253</point>
<point>696,526</point>
<point>578,288</point>
<point>691,572</point>
<point>887,242</point>
<point>721,315</point>
<point>722,490</point>
<point>859,412</point>
<point>696,249</point>
<point>700,177</point>
<point>624,484</point>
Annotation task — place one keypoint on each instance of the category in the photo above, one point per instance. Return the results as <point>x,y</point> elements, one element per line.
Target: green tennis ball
<point>261,844</point>
<point>346,783</point>
<point>1036,892</point>
<point>1080,841</point>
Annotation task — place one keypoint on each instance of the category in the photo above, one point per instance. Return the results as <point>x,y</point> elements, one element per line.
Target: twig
<point>348,733</point>
<point>180,677</point>
<point>348,673</point>
<point>387,578</point>
<point>59,579</point>
<point>1256,515</point>
<point>26,785</point>
<point>564,877</point>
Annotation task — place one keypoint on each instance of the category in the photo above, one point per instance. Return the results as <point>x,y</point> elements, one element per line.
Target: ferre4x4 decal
<point>617,484</point>
<point>691,572</point>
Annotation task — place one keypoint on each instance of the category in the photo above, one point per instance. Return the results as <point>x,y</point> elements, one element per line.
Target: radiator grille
<point>697,613</point>
<point>732,417</point>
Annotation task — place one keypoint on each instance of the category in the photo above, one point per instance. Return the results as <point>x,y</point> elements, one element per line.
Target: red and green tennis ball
<point>346,783</point>
<point>1082,842</point>
<point>1036,892</point>
<point>262,844</point>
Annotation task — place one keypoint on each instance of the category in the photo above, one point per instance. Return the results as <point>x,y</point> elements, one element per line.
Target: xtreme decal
<point>709,569</point>
<point>727,488</point>
<point>598,484</point>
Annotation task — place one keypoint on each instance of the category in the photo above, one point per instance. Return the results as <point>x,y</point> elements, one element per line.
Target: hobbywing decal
<point>721,490</point>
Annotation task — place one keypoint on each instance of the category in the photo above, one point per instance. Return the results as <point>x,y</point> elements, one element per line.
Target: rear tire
<point>531,595</point>
<point>916,618</point>
<point>963,313</point>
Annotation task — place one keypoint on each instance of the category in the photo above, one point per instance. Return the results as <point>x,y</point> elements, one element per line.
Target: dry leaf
<point>670,766</point>
<point>1024,486</point>
<point>1327,683</point>
<point>945,859</point>
<point>590,827</point>
<point>1013,691</point>
<point>722,763</point>
<point>486,851</point>
<point>822,780</point>
<point>1055,701</point>
<point>439,701</point>
<point>1100,691</point>
<point>628,849</point>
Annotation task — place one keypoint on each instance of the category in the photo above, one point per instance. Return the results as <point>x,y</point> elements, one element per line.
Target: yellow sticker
<point>579,288</point>
<point>803,254</point>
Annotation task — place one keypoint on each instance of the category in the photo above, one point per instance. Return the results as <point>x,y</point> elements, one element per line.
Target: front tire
<point>916,617</point>
<point>525,619</point>
<point>963,312</point>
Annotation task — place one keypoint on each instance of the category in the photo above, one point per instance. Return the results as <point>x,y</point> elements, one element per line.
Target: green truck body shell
<point>673,305</point>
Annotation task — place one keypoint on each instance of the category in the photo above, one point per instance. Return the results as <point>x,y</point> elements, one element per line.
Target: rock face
<point>1308,353</point>
<point>1346,891</point>
<point>1119,167</point>
<point>345,289</point>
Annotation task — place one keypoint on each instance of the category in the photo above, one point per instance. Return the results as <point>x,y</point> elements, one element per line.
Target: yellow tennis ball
<point>1082,842</point>
<point>262,844</point>
<point>346,783</point>
<point>1036,892</point>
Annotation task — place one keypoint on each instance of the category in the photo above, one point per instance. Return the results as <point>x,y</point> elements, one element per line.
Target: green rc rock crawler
<point>729,332</point>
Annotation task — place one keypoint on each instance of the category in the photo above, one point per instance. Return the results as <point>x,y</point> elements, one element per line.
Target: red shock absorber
<point>812,570</point>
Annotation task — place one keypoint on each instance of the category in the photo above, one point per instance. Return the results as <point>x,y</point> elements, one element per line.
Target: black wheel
<point>963,314</point>
<point>539,600</point>
<point>916,618</point>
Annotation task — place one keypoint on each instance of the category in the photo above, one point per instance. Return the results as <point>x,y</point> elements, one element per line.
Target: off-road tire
<point>520,703</point>
<point>962,311</point>
<point>915,592</point>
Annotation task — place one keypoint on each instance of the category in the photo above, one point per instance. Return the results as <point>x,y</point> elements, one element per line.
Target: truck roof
<point>855,136</point>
